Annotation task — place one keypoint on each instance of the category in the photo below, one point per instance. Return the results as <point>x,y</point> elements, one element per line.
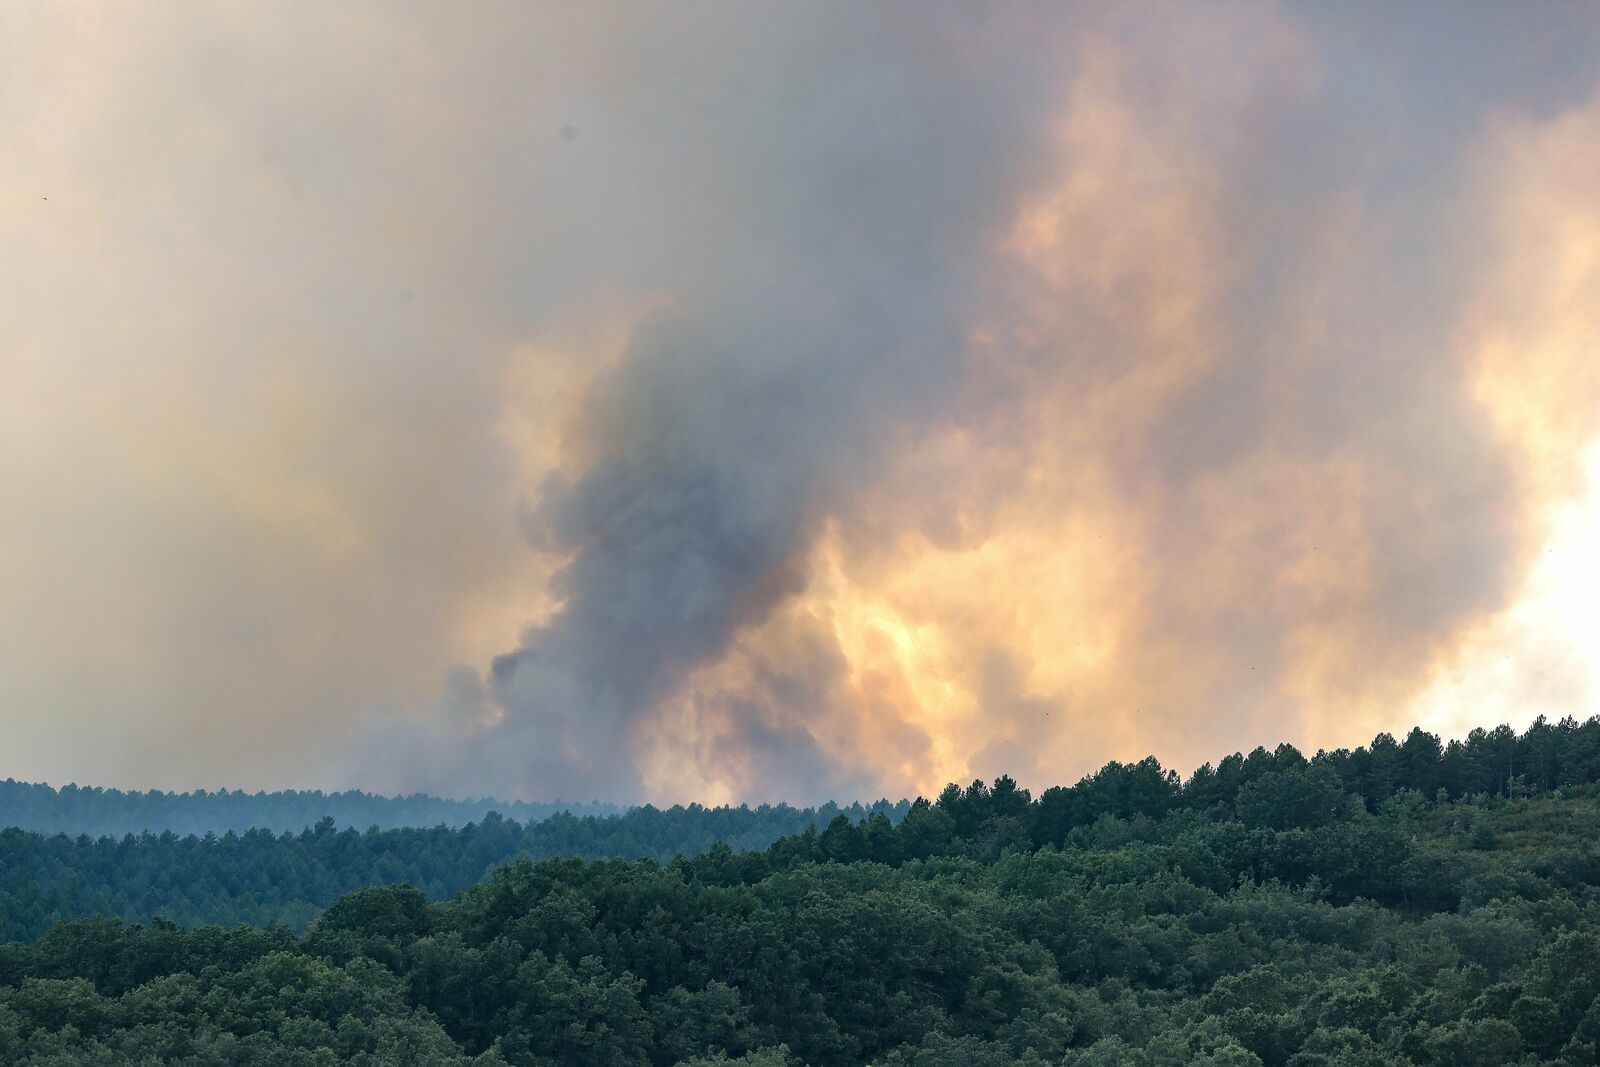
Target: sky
<point>755,402</point>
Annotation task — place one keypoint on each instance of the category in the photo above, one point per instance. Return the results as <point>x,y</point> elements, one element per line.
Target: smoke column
<point>750,403</point>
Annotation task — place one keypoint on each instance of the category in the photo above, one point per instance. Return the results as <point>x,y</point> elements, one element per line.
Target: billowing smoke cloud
<point>1224,333</point>
<point>825,329</point>
<point>880,396</point>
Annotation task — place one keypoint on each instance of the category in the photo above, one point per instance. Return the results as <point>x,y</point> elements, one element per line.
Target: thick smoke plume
<point>1208,370</point>
<point>759,403</point>
<point>824,329</point>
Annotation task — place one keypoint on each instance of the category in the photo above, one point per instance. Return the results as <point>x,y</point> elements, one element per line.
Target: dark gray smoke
<point>874,168</point>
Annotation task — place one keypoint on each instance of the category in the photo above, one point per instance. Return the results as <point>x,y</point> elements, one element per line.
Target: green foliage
<point>76,809</point>
<point>1273,911</point>
<point>261,877</point>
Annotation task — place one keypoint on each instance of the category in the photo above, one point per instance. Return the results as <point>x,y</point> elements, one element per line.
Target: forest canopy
<point>1403,903</point>
<point>261,877</point>
<point>75,809</point>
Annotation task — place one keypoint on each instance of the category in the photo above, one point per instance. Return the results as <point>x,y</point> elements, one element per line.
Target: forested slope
<point>75,809</point>
<point>260,877</point>
<point>1395,905</point>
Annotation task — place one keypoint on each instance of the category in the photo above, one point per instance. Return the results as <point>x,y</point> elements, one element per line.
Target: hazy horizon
<point>601,802</point>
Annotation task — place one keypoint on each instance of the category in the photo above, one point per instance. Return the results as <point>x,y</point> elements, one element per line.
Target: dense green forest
<point>75,809</point>
<point>1403,903</point>
<point>260,877</point>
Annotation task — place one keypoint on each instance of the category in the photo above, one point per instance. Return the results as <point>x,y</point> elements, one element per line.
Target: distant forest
<point>1405,904</point>
<point>76,809</point>
<point>261,877</point>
